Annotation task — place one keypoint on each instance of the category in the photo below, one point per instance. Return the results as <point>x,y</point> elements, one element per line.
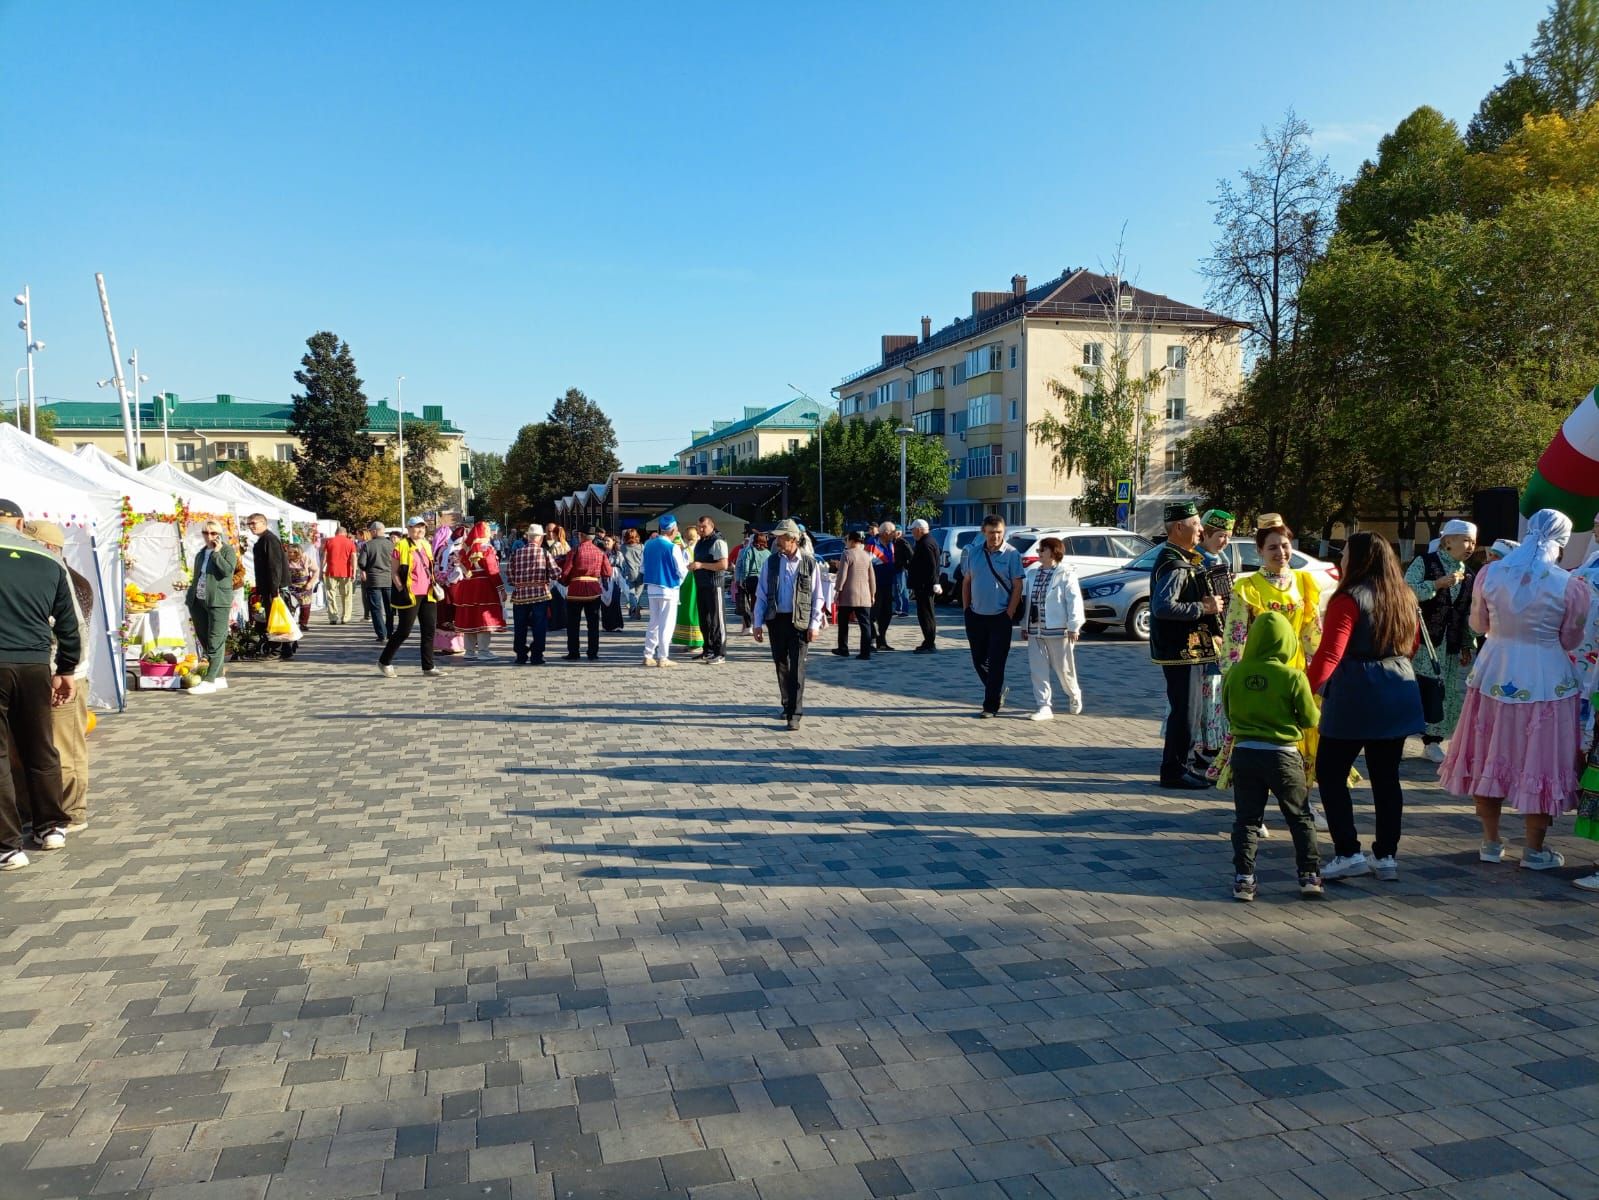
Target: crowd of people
<point>1272,693</point>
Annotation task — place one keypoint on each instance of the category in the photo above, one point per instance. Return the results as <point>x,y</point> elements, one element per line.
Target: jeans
<point>788,654</point>
<point>1334,757</point>
<point>663,620</point>
<point>713,625</point>
<point>27,727</point>
<point>576,612</point>
<point>1280,773</point>
<point>425,612</point>
<point>530,620</point>
<point>380,607</point>
<point>339,592</point>
<point>855,616</point>
<point>927,618</point>
<point>1182,723</point>
<point>989,638</point>
<point>902,595</point>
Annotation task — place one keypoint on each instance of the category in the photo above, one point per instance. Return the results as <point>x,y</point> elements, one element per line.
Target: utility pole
<point>399,412</point>
<point>116,377</point>
<point>32,343</point>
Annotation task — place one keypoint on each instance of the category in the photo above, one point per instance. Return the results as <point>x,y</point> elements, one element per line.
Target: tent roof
<point>639,494</point>
<point>143,493</point>
<point>229,484</point>
<point>50,489</point>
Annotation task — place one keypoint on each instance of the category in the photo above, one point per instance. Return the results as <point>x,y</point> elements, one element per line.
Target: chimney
<point>927,328</point>
<point>895,342</point>
<point>1018,286</point>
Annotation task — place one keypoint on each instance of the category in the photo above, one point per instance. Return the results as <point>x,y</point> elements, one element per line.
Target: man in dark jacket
<point>271,576</point>
<point>922,576</point>
<point>35,604</point>
<point>1184,634</point>
<point>891,556</point>
<point>375,562</point>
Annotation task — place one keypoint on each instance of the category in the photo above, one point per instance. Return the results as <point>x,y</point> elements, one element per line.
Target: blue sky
<point>680,209</point>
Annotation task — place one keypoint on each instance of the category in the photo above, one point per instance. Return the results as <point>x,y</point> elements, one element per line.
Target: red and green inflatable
<point>1567,475</point>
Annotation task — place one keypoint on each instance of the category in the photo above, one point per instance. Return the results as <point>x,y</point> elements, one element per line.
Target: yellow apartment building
<point>760,431</point>
<point>982,380</point>
<point>203,438</point>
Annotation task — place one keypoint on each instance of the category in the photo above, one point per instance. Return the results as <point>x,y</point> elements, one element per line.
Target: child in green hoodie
<point>1268,704</point>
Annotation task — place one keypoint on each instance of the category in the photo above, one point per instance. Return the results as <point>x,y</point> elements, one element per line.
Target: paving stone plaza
<point>590,931</point>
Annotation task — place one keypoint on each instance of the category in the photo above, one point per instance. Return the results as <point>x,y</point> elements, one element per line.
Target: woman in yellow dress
<point>1275,587</point>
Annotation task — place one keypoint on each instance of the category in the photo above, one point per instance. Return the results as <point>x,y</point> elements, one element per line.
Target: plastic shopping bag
<point>280,626</point>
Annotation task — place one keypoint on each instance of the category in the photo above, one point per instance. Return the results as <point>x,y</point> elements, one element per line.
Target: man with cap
<point>70,721</point>
<point>1184,635</point>
<point>584,574</point>
<point>36,610</point>
<point>922,576</point>
<point>788,609</point>
<point>665,567</point>
<point>209,600</point>
<point>1443,588</point>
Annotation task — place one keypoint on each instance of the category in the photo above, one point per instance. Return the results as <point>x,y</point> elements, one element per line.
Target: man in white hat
<point>788,607</point>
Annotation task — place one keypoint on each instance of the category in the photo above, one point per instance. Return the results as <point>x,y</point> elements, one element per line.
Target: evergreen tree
<point>329,419</point>
<point>1559,74</point>
<point>576,446</point>
<point>1417,175</point>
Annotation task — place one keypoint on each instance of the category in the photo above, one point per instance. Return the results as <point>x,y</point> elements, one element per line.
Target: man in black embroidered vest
<point>1184,633</point>
<point>788,608</point>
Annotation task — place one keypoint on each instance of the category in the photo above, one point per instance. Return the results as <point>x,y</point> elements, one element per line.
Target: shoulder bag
<point>1021,609</point>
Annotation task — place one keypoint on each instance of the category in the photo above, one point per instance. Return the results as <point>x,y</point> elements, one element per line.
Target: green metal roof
<point>792,414</point>
<point>221,414</point>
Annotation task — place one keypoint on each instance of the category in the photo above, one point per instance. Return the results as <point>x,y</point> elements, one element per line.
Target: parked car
<point>1121,597</point>
<point>951,541</point>
<point>1089,548</point>
<point>829,549</point>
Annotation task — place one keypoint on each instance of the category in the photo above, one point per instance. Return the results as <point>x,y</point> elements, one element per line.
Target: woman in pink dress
<point>477,594</point>
<point>1517,743</point>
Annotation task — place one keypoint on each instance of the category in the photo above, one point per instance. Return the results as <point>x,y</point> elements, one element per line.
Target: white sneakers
<point>650,662</point>
<point>53,839</point>
<point>386,671</point>
<point>1346,866</point>
<point>1491,852</point>
<point>1588,883</point>
<point>1541,860</point>
<point>220,683</point>
<point>1043,714</point>
<point>203,688</point>
<point>1387,868</point>
<point>1434,752</point>
<point>12,860</point>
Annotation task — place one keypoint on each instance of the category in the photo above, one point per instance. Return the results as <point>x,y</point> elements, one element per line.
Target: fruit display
<point>137,600</point>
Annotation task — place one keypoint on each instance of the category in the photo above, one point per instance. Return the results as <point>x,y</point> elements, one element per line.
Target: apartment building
<point>760,431</point>
<point>203,438</point>
<point>982,380</point>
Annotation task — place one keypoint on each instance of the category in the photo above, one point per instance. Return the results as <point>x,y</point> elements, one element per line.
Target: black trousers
<point>788,653</point>
<point>1258,774</point>
<point>855,616</point>
<point>1334,757</point>
<point>926,617</point>
<point>883,606</point>
<point>713,625</point>
<point>425,613</point>
<point>1182,723</point>
<point>576,612</point>
<point>28,727</point>
<point>989,638</point>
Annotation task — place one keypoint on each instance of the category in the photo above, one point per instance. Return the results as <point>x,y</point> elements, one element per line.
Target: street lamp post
<point>399,413</point>
<point>904,431</point>
<point>138,420</point>
<point>16,393</point>
<point>25,299</point>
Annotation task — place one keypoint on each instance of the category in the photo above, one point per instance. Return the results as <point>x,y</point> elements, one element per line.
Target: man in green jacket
<point>1268,705</point>
<point>210,598</point>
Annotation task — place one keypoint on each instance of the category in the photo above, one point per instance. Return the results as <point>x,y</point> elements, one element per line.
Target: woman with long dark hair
<point>1370,701</point>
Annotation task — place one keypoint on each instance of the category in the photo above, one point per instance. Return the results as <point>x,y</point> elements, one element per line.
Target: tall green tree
<point>576,447</point>
<point>1560,74</point>
<point>329,418</point>
<point>513,494</point>
<point>488,468</point>
<point>270,475</point>
<point>1417,174</point>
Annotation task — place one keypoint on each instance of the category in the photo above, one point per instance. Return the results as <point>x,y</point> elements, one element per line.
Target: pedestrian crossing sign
<point>1124,491</point>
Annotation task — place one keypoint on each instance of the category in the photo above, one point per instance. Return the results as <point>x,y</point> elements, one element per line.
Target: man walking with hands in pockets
<point>788,607</point>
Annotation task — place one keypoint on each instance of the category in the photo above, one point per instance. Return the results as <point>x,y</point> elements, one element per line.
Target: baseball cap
<point>47,532</point>
<point>415,521</point>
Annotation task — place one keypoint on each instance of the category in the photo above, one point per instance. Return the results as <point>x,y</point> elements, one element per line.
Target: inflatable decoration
<point>1567,475</point>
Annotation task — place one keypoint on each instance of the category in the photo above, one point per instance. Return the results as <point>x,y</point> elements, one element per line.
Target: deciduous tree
<point>1560,73</point>
<point>269,475</point>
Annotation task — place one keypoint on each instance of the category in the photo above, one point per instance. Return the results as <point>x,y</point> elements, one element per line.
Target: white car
<point>1090,549</point>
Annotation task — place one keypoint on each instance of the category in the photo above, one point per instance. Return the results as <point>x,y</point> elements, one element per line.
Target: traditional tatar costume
<point>476,594</point>
<point>1445,611</point>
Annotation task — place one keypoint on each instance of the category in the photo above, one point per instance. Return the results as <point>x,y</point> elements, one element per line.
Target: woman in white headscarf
<point>1517,743</point>
<point>1442,586</point>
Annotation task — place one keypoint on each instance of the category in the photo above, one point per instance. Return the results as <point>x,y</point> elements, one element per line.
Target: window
<point>285,452</point>
<point>232,451</point>
<point>1013,358</point>
<point>958,374</point>
<point>1127,547</point>
<point>793,444</point>
<point>926,381</point>
<point>186,452</point>
<point>1088,546</point>
<point>1176,408</point>
<point>957,470</point>
<point>1177,358</point>
<point>982,410</point>
<point>1174,461</point>
<point>1013,405</point>
<point>1012,462</point>
<point>929,422</point>
<point>983,461</point>
<point>885,393</point>
<point>854,404</point>
<point>984,359</point>
<point>1093,354</point>
<point>957,422</point>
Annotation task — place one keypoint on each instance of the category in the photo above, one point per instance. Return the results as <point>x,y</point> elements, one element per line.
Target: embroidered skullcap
<point>1181,511</point>
<point>1216,518</point>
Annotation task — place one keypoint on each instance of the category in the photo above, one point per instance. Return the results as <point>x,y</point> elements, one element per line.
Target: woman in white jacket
<point>1054,619</point>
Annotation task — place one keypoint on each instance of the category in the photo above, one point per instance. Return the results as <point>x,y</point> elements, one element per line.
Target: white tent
<point>48,489</point>
<point>229,484</point>
<point>201,497</point>
<point>144,495</point>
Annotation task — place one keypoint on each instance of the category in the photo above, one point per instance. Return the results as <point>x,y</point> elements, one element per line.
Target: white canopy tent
<point>229,484</point>
<point>48,489</point>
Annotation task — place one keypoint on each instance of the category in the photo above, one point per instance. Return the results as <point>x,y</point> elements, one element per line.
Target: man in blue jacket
<point>665,565</point>
<point>35,603</point>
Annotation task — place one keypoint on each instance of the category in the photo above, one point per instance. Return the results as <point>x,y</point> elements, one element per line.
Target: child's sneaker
<point>1244,888</point>
<point>1310,886</point>
<point>1541,860</point>
<point>1491,852</point>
